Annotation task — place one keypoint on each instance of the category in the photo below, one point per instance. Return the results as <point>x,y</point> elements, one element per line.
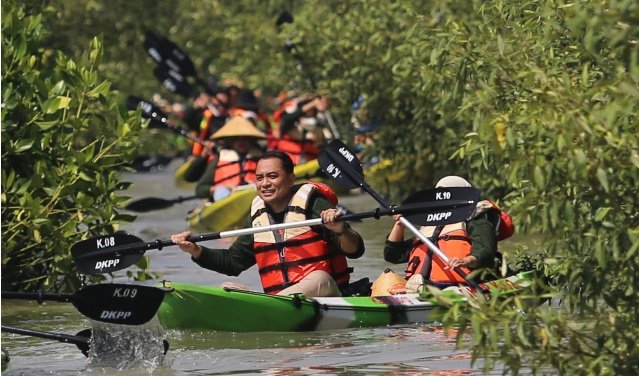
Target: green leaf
<point>102,89</point>
<point>602,176</point>
<point>45,125</point>
<point>51,105</point>
<point>601,213</point>
<point>23,145</point>
<point>539,179</point>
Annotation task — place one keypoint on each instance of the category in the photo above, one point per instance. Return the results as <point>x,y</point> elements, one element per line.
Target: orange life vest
<point>205,130</point>
<point>285,257</point>
<point>299,151</point>
<point>453,240</point>
<point>295,143</point>
<point>232,171</point>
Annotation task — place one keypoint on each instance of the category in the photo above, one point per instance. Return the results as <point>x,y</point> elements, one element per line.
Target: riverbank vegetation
<point>536,102</point>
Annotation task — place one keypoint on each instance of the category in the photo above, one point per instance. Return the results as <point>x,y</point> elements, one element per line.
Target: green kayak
<point>194,307</point>
<point>231,212</point>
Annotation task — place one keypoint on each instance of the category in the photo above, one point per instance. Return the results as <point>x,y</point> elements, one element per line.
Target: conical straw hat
<point>238,127</point>
<point>387,280</point>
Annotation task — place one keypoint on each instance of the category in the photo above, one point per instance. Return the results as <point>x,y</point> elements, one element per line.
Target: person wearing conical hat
<point>470,244</point>
<point>235,161</point>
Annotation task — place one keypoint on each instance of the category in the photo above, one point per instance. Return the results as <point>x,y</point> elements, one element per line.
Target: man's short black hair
<point>287,162</point>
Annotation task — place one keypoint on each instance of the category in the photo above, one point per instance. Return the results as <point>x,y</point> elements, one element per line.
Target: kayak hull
<point>194,307</point>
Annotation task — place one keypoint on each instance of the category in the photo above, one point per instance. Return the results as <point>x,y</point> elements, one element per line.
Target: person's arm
<point>484,242</point>
<point>289,119</point>
<point>483,246</point>
<point>203,186</point>
<point>232,261</point>
<point>339,234</point>
<point>196,168</point>
<point>396,249</point>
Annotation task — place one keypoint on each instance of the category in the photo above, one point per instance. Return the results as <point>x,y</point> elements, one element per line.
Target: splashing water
<point>126,347</point>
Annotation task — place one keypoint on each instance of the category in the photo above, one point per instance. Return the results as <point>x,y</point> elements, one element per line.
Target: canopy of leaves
<point>64,142</point>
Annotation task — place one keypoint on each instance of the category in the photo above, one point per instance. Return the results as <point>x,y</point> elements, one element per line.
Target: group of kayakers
<point>243,146</point>
<point>312,260</point>
<point>236,133</point>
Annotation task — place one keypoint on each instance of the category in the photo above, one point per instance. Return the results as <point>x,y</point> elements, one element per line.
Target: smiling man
<point>310,260</point>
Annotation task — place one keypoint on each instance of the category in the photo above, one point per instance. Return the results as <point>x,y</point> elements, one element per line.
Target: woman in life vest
<point>309,260</point>
<point>470,245</point>
<point>234,162</point>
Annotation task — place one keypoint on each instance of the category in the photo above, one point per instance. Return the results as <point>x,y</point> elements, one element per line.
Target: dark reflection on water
<point>399,350</point>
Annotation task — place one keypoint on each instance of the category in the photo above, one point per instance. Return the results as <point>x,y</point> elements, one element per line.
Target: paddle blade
<point>149,204</point>
<point>283,18</point>
<point>152,46</point>
<point>341,165</point>
<point>119,303</point>
<point>442,205</point>
<point>83,346</point>
<point>109,259</point>
<point>173,85</point>
<point>149,110</point>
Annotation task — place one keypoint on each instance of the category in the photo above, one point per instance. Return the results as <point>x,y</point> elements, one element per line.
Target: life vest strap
<point>287,243</point>
<point>289,264</point>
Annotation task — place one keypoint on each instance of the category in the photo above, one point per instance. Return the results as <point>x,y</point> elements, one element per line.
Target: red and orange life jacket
<point>285,257</point>
<point>205,129</point>
<point>453,240</point>
<point>232,171</point>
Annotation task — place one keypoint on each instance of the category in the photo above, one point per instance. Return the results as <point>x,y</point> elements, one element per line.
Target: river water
<point>398,350</point>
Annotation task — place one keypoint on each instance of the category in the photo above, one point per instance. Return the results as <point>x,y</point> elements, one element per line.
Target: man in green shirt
<point>310,261</point>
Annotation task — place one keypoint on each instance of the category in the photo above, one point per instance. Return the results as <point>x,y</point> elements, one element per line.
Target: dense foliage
<point>537,102</point>
<point>64,142</point>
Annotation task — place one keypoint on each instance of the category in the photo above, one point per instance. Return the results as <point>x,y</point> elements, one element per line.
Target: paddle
<point>166,52</point>
<point>109,302</point>
<point>175,83</point>
<point>158,117</point>
<point>286,17</point>
<point>82,339</point>
<point>345,168</point>
<point>105,254</point>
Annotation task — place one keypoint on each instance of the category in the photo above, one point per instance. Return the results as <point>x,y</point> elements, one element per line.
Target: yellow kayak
<point>179,176</point>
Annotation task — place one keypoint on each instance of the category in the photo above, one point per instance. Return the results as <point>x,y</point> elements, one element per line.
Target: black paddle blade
<point>341,165</point>
<point>166,52</point>
<point>173,85</point>
<point>161,72</point>
<point>284,17</point>
<point>111,260</point>
<point>149,204</point>
<point>449,205</point>
<point>119,303</point>
<point>84,346</point>
<point>81,339</point>
<point>152,46</point>
<point>149,110</point>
